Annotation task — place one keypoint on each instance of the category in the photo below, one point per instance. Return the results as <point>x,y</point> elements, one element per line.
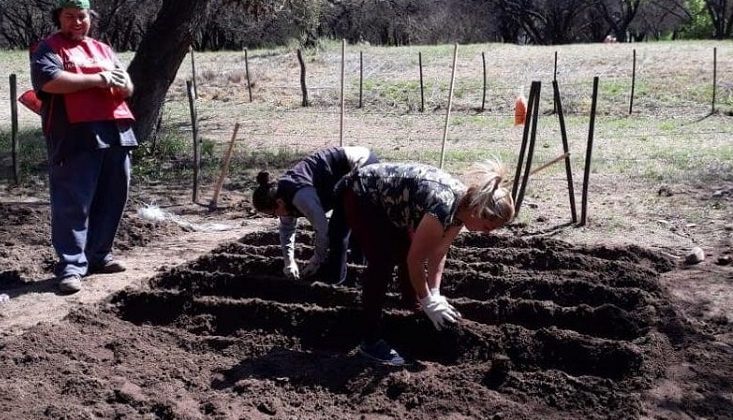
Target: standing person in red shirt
<point>88,130</point>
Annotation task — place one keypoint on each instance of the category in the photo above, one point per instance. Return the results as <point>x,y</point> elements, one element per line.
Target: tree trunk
<point>158,58</point>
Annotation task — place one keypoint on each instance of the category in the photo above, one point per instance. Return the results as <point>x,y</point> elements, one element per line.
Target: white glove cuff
<point>427,301</point>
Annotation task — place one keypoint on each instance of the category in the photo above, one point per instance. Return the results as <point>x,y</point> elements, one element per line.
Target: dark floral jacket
<point>408,191</point>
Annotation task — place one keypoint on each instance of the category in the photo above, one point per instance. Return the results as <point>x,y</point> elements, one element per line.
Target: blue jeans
<point>88,195</point>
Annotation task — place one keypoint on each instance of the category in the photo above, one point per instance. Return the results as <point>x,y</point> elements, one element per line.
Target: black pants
<point>385,246</point>
<point>338,244</point>
<point>338,237</point>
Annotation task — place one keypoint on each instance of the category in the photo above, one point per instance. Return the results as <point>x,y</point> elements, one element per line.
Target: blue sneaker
<point>382,353</point>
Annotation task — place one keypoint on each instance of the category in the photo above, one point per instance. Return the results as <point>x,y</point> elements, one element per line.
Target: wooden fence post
<point>343,65</point>
<point>589,153</point>
<point>195,132</point>
<point>530,151</point>
<point>303,88</point>
<point>361,76</point>
<point>715,76</point>
<point>483,97</point>
<point>525,137</point>
<point>566,149</point>
<point>193,73</point>
<point>224,169</point>
<point>246,69</point>
<point>554,80</point>
<point>633,83</point>
<point>14,127</point>
<point>422,92</point>
<point>450,102</point>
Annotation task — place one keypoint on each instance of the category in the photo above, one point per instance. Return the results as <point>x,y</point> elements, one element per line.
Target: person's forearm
<point>435,271</point>
<point>416,268</point>
<point>307,202</point>
<point>68,82</point>
<point>318,220</point>
<point>287,237</point>
<point>436,261</point>
<point>128,90</point>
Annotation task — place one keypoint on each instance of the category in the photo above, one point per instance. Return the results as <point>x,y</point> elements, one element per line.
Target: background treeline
<point>237,24</point>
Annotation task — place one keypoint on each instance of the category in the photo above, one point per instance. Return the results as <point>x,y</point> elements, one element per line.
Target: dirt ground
<point>550,330</point>
<point>603,321</point>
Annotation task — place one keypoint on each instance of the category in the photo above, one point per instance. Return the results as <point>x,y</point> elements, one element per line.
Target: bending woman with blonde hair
<point>408,215</point>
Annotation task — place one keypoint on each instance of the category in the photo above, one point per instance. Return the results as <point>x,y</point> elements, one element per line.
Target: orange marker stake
<point>520,109</point>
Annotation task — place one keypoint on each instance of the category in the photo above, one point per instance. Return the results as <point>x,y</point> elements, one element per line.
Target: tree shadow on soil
<point>711,400</point>
<point>552,230</point>
<point>338,372</point>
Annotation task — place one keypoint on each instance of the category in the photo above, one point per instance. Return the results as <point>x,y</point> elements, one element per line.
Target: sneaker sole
<point>70,287</point>
<point>380,361</point>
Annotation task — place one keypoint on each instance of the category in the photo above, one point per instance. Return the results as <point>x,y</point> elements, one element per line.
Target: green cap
<point>73,4</point>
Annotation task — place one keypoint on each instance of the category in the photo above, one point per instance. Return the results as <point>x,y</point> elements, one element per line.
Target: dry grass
<point>667,140</point>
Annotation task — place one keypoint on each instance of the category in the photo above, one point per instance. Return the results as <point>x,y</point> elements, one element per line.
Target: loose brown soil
<point>25,235</point>
<point>550,330</point>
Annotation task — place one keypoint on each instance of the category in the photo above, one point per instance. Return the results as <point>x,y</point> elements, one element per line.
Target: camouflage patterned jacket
<point>408,191</point>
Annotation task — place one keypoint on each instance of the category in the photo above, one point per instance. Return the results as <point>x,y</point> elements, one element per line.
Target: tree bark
<point>158,58</point>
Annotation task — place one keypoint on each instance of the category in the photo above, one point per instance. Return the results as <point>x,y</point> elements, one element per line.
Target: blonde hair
<point>486,197</point>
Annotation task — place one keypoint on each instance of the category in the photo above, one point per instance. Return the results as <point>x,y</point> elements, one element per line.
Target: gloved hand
<point>120,79</point>
<point>436,293</point>
<point>313,264</point>
<point>291,270</point>
<point>106,77</point>
<point>439,310</point>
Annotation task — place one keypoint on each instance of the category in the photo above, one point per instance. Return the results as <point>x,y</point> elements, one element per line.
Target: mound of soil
<point>550,330</point>
<point>26,254</point>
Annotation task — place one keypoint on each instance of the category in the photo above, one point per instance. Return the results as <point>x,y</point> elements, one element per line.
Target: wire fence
<point>672,130</point>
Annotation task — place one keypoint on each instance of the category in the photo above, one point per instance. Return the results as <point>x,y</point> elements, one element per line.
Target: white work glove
<point>439,311</point>
<point>106,77</point>
<point>313,264</point>
<point>120,79</point>
<point>436,294</point>
<point>291,270</point>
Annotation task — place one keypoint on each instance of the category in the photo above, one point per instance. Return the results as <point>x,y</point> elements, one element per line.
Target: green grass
<point>276,131</point>
<point>393,91</point>
<point>31,152</point>
<point>614,87</point>
<point>14,61</point>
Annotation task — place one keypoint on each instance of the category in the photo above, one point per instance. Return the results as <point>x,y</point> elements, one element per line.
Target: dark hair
<point>263,197</point>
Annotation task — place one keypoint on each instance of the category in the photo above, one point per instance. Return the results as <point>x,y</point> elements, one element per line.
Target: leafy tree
<point>700,25</point>
<point>721,15</point>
